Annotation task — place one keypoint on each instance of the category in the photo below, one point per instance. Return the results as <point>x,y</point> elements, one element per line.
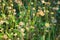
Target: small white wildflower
<point>14,10</point>
<point>32,27</point>
<point>42,1</point>
<point>15,34</point>
<point>9,11</point>
<point>11,28</point>
<point>52,12</point>
<point>32,3</point>
<point>47,3</point>
<point>5,36</point>
<point>55,8</point>
<point>9,15</point>
<point>47,30</point>
<point>47,11</point>
<point>20,12</point>
<point>27,28</point>
<point>58,36</point>
<point>42,27</point>
<point>54,20</point>
<point>33,8</point>
<point>19,2</point>
<point>33,14</point>
<point>11,4</point>
<point>34,34</point>
<point>22,29</point>
<point>19,28</point>
<point>29,20</point>
<point>20,16</point>
<point>44,10</point>
<point>14,13</point>
<point>10,0</point>
<point>47,24</point>
<point>1,22</point>
<point>17,25</point>
<point>3,4</point>
<point>27,24</point>
<point>18,38</point>
<point>40,12</point>
<point>11,33</point>
<point>58,2</point>
<point>9,39</point>
<point>21,23</point>
<point>0,0</point>
<point>23,34</point>
<point>9,7</point>
<point>39,7</point>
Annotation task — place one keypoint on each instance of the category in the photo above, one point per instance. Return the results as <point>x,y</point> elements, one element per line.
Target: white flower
<point>3,4</point>
<point>33,8</point>
<point>47,30</point>
<point>22,34</point>
<point>14,13</point>
<point>9,39</point>
<point>27,28</point>
<point>33,14</point>
<point>32,27</point>
<point>52,12</point>
<point>34,34</point>
<point>14,10</point>
<point>21,23</point>
<point>11,33</point>
<point>47,25</point>
<point>9,7</point>
<point>22,29</point>
<point>9,16</point>
<point>5,36</point>
<point>47,3</point>
<point>10,0</point>
<point>15,34</point>
<point>54,20</point>
<point>58,2</point>
<point>11,4</point>
<point>18,38</point>
<point>55,8</point>
<point>1,22</point>
<point>32,3</point>
<point>47,11</point>
<point>40,12</point>
<point>42,1</point>
<point>9,11</point>
<point>0,0</point>
<point>19,2</point>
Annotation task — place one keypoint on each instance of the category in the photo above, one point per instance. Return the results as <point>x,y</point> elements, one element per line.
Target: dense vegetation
<point>29,20</point>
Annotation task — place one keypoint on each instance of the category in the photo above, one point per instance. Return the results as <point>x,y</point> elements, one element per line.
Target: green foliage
<point>29,20</point>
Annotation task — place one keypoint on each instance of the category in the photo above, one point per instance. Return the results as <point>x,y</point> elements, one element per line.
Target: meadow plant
<point>29,20</point>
